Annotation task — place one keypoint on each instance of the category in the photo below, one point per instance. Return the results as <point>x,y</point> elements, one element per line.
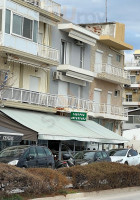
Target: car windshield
<point>119,153</point>
<point>85,155</point>
<point>12,152</point>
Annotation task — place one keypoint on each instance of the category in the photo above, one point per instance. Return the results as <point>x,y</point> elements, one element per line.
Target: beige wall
<point>21,75</point>
<point>105,87</point>
<point>106,51</point>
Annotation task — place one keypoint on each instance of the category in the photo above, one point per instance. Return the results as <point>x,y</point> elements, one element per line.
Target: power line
<point>106,10</point>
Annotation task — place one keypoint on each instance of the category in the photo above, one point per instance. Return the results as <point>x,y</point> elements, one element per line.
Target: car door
<point>134,157</point>
<point>41,157</point>
<point>98,157</point>
<point>131,158</point>
<point>31,157</point>
<point>50,158</point>
<point>106,157</point>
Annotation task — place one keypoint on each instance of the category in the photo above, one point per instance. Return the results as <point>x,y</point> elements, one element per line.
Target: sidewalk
<point>100,195</point>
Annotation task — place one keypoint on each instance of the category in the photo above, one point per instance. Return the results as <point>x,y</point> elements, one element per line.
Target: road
<point>116,194</point>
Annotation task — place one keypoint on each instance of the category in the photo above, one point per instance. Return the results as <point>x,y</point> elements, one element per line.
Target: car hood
<point>116,158</point>
<point>7,159</point>
<point>79,161</point>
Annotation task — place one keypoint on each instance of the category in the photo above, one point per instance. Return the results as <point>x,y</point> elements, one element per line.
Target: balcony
<point>132,66</point>
<point>112,74</point>
<point>48,52</point>
<point>47,5</point>
<point>26,99</point>
<point>133,101</point>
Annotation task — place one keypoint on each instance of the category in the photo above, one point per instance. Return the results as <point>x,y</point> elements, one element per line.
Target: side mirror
<point>30,157</point>
<point>129,155</point>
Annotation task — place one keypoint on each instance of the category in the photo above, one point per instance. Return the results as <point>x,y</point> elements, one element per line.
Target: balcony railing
<point>137,64</point>
<point>48,52</point>
<point>60,102</point>
<point>47,5</point>
<point>109,69</point>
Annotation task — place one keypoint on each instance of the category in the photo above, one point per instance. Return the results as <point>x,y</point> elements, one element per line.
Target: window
<point>137,119</point>
<point>47,151</point>
<point>65,52</point>
<point>35,31</point>
<point>132,152</point>
<point>7,22</point>
<point>41,152</point>
<point>98,155</point>
<point>33,152</point>
<point>0,19</point>
<point>81,57</point>
<point>133,79</point>
<point>130,120</point>
<point>104,154</point>
<point>117,93</point>
<point>22,26</point>
<point>118,58</point>
<point>128,97</point>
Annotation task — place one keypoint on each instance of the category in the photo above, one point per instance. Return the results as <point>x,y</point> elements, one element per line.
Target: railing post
<point>21,96</point>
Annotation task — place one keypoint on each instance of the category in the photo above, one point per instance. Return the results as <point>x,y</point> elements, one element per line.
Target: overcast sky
<point>124,11</point>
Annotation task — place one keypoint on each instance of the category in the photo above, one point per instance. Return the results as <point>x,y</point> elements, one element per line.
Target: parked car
<point>86,157</point>
<point>125,156</point>
<point>28,156</point>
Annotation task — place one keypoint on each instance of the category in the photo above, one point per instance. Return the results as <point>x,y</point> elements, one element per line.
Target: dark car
<point>27,156</point>
<point>86,157</point>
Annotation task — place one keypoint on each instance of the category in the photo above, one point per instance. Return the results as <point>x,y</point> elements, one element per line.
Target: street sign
<point>78,116</point>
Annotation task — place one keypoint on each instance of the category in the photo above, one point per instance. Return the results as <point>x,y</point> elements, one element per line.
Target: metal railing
<point>136,64</point>
<point>60,101</point>
<point>48,52</point>
<point>109,69</point>
<point>47,5</point>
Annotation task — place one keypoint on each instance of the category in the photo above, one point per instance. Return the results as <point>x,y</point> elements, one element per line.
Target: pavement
<point>114,194</point>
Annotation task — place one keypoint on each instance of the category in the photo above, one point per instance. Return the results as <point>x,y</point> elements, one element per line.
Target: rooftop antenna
<point>106,9</point>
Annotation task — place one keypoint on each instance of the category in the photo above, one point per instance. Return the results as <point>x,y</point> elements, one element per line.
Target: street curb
<point>93,195</point>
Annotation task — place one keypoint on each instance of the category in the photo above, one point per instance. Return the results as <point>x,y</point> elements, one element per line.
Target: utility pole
<point>106,10</point>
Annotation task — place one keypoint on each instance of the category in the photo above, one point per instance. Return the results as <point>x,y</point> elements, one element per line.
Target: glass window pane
<point>27,28</point>
<point>17,24</point>
<point>47,151</point>
<point>133,79</point>
<point>7,22</point>
<point>137,119</point>
<point>0,20</point>
<point>41,152</point>
<point>130,120</point>
<point>35,32</point>
<point>33,152</point>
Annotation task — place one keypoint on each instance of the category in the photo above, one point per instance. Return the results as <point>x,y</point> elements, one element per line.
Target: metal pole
<point>106,10</point>
<point>60,144</point>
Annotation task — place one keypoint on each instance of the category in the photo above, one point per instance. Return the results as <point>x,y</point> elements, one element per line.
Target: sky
<point>93,11</point>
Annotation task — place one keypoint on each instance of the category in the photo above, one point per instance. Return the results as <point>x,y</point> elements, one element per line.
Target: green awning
<point>54,127</point>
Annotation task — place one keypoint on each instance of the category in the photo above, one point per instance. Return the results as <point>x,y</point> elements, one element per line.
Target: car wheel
<point>126,163</point>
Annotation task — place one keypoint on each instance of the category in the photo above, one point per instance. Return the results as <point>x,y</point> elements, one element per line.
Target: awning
<point>12,126</point>
<point>9,135</point>
<point>54,127</point>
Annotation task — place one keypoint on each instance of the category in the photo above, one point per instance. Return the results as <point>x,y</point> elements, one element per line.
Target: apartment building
<point>57,67</point>
<point>131,97</point>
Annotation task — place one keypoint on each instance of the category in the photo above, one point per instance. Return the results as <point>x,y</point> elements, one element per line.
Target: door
<point>31,157</point>
<point>109,65</point>
<point>98,62</point>
<point>109,95</point>
<point>62,94</point>
<point>42,159</point>
<point>65,53</point>
<point>34,83</point>
<point>97,97</point>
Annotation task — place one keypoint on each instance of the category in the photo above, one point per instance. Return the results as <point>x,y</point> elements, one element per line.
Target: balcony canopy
<point>79,33</point>
<point>54,127</point>
<point>116,44</point>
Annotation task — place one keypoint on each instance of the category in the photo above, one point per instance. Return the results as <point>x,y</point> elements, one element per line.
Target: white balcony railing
<point>136,64</point>
<point>109,69</point>
<point>47,5</point>
<point>48,52</point>
<point>60,102</point>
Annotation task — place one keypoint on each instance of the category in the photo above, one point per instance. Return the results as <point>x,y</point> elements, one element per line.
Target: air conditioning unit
<point>57,75</point>
<point>135,90</point>
<point>137,72</point>
<point>79,43</point>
